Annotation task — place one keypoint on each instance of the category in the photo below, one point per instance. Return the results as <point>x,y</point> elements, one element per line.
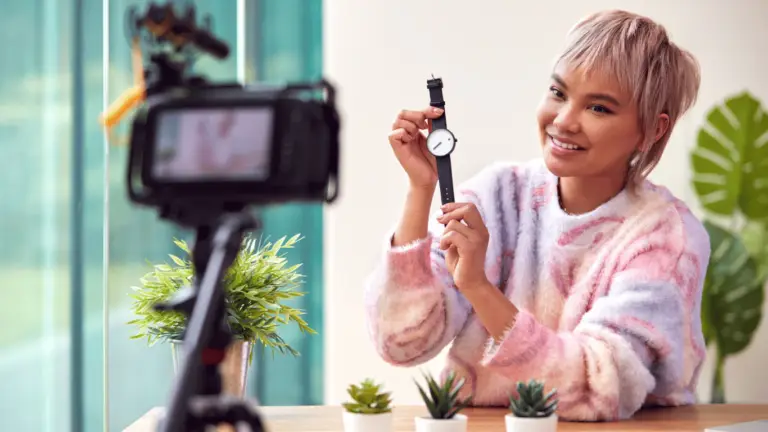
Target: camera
<point>236,144</point>
<point>226,145</point>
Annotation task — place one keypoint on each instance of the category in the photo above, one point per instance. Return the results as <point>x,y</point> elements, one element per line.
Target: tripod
<point>196,399</point>
<point>303,166</point>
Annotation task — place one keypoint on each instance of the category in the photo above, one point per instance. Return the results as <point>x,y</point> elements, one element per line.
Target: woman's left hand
<point>466,240</point>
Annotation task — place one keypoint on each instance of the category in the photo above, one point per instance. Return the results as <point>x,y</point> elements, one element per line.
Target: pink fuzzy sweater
<point>609,301</point>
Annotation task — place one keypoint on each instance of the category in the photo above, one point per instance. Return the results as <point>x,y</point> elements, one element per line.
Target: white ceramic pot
<point>354,422</point>
<point>523,424</point>
<point>456,424</point>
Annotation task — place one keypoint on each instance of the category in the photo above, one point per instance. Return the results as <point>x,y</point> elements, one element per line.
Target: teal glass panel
<point>285,45</point>
<point>36,135</point>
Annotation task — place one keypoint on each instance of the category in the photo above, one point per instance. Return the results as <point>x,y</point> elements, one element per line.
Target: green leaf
<point>730,162</point>
<point>754,234</point>
<point>549,409</point>
<point>442,398</point>
<point>733,293</point>
<point>367,398</point>
<point>258,286</point>
<point>177,260</point>
<point>531,400</point>
<point>513,405</point>
<point>428,403</point>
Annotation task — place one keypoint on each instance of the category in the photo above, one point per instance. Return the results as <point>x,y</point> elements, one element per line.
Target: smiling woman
<point>574,269</point>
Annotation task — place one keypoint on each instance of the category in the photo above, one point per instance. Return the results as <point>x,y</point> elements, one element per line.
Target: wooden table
<point>328,419</point>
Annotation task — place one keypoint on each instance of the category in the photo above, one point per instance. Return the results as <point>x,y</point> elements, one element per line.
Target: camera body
<point>229,143</point>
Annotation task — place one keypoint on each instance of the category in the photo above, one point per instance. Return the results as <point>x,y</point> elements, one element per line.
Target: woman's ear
<point>662,125</point>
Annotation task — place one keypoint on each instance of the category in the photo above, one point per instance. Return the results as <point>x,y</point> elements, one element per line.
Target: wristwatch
<point>441,141</point>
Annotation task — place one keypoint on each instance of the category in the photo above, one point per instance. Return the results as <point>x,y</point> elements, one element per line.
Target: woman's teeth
<point>565,145</point>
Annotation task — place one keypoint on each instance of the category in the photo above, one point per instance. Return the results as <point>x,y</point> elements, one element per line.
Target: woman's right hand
<point>409,143</point>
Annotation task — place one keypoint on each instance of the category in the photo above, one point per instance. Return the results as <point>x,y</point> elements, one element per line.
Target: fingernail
<point>437,110</point>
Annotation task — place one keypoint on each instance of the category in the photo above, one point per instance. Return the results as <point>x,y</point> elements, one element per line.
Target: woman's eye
<point>601,109</point>
<point>555,92</point>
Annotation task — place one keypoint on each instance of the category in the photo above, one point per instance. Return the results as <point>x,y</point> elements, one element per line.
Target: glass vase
<point>234,368</point>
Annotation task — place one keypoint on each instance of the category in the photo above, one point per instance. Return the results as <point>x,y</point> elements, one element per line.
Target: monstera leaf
<point>730,161</point>
<point>732,300</point>
<point>754,234</point>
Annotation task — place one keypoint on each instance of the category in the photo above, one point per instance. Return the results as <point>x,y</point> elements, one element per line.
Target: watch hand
<point>438,145</point>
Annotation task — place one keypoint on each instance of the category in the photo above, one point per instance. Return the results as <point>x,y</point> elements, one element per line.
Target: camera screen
<point>216,144</point>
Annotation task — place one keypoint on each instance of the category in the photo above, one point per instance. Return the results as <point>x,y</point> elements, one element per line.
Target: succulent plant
<point>367,398</point>
<point>443,401</point>
<point>531,400</point>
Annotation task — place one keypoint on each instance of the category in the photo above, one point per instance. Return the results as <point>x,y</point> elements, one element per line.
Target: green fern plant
<point>531,401</point>
<point>257,286</point>
<point>367,398</point>
<point>442,400</point>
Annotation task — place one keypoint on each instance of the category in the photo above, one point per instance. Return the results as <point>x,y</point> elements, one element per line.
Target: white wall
<point>495,59</point>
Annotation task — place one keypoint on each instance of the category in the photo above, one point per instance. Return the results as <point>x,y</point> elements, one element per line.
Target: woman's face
<point>588,126</point>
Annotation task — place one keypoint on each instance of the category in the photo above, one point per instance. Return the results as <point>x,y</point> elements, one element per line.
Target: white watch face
<point>440,142</point>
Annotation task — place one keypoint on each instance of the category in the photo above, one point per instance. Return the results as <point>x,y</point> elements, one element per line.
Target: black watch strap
<point>445,179</point>
<point>435,86</point>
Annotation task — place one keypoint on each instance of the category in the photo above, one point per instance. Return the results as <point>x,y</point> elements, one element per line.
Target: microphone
<point>163,23</point>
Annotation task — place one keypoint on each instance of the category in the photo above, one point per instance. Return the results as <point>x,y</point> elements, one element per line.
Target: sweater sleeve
<point>642,341</point>
<point>413,307</point>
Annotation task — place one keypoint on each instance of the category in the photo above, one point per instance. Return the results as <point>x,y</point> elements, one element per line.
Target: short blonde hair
<point>660,76</point>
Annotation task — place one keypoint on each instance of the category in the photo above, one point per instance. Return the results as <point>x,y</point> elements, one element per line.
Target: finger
<point>418,118</point>
<point>400,136</point>
<point>454,238</point>
<point>471,216</point>
<point>446,218</point>
<point>452,253</point>
<point>407,125</point>
<point>468,213</point>
<point>459,227</point>
<point>453,211</point>
<point>433,112</point>
<point>449,207</point>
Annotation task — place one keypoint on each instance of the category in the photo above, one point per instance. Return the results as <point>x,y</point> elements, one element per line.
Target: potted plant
<point>369,410</point>
<point>444,406</point>
<point>257,286</point>
<point>729,187</point>
<point>532,409</point>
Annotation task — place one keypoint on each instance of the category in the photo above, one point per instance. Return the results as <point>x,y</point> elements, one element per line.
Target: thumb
<point>433,112</point>
<point>452,252</point>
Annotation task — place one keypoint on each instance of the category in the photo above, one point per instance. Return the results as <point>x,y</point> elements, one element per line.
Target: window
<point>74,244</point>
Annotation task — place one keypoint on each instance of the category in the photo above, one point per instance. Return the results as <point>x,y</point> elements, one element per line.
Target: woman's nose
<point>567,120</point>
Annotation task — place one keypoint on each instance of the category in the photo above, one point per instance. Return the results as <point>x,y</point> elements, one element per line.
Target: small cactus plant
<point>367,398</point>
<point>531,401</point>
<point>442,400</point>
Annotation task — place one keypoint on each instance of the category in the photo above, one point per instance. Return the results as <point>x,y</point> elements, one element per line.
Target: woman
<point>573,269</point>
